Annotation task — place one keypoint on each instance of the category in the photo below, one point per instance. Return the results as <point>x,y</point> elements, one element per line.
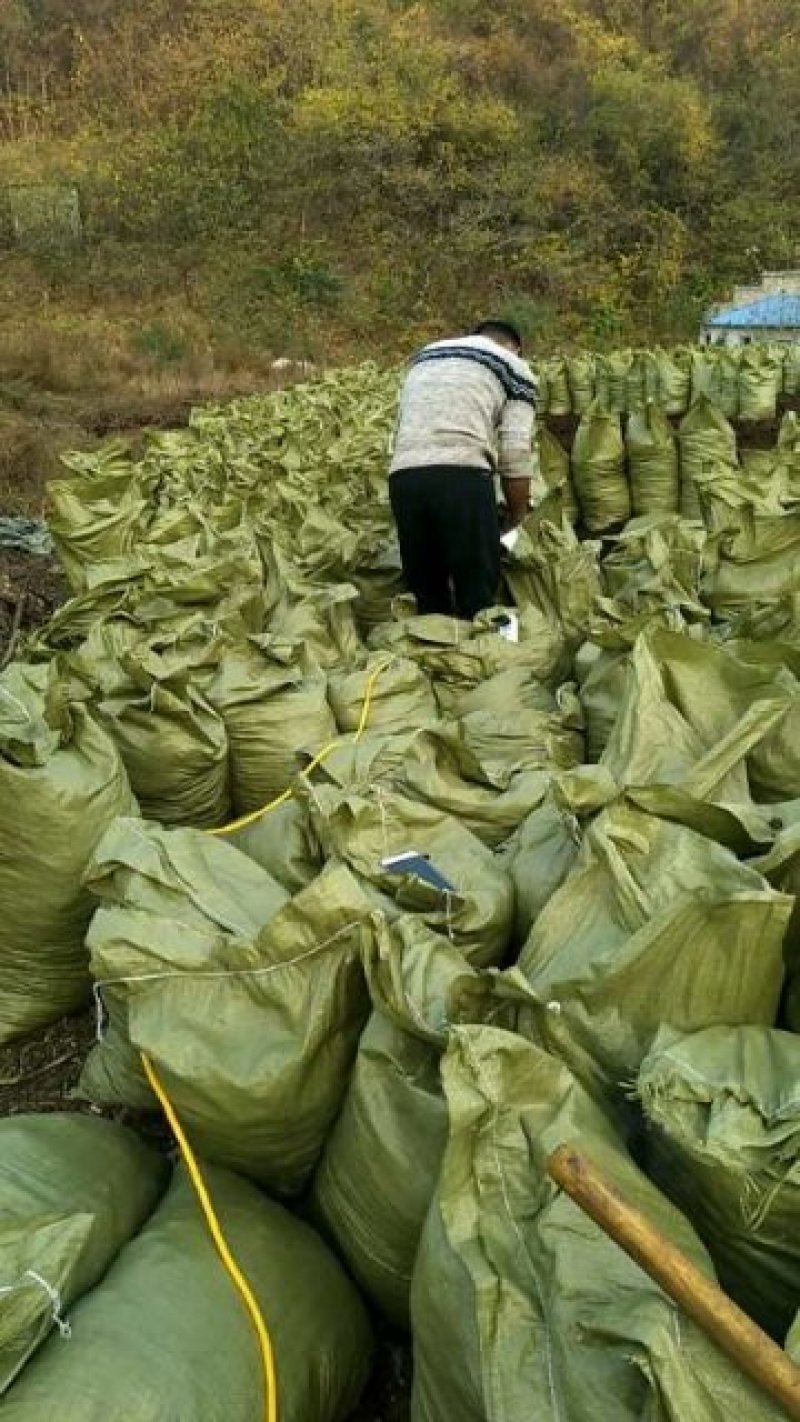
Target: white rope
<point>378,791</point>
<point>448,914</point>
<point>206,974</point>
<point>18,705</point>
<point>62,1324</point>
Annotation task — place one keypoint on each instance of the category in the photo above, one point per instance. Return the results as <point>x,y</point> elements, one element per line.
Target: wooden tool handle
<point>736,1334</point>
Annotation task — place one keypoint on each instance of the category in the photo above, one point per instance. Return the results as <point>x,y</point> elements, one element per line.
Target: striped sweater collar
<point>513,373</point>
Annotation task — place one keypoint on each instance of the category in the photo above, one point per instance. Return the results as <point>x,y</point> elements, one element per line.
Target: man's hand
<point>517,494</point>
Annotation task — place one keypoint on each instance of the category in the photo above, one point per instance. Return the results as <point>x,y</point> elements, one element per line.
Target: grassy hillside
<point>344,177</point>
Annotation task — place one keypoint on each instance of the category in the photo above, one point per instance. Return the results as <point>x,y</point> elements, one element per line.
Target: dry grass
<point>29,456</point>
<point>65,387</point>
<point>96,357</point>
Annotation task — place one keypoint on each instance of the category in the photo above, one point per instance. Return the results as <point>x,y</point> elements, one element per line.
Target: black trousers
<point>447,523</point>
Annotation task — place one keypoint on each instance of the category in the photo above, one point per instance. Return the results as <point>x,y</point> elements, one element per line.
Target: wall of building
<point>746,335</point>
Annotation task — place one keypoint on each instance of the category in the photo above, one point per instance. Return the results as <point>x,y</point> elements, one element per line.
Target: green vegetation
<point>343,177</point>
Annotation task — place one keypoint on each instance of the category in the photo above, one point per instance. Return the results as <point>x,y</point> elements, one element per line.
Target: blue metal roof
<point>778,310</point>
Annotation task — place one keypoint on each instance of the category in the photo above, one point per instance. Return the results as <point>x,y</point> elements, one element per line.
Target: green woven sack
<point>516,686</point>
<point>639,381</point>
<point>145,691</point>
<point>706,440</point>
<point>724,1143</point>
<point>364,828</point>
<point>400,695</point>
<point>761,464</point>
<point>682,769</point>
<point>273,705</point>
<point>763,621</point>
<point>672,382</point>
<point>184,874</point>
<point>614,372</point>
<point>715,376</point>
<point>791,369</point>
<point>158,593</point>
<point>542,390</point>
<point>759,564</point>
<point>522,1306</point>
<point>735,500</point>
<point>598,470</point>
<point>99,512</point>
<point>253,1031</point>
<point>787,456</point>
<point>71,623</point>
<point>726,386</point>
<point>552,570</point>
<point>655,925</point>
<point>581,370</point>
<point>543,850</point>
<point>283,844</point>
<point>149,880</point>
<point>780,865</point>
<point>175,750</point>
<point>73,1190</point>
<point>515,739</point>
<point>377,1176</point>
<point>458,656</point>
<point>320,621</point>
<point>378,1173</point>
<point>488,771</point>
<point>714,686</point>
<point>652,462</point>
<point>789,432</point>
<point>760,380</point>
<point>321,549</point>
<point>601,667</point>
<point>556,377</point>
<point>223,580</point>
<point>657,566</point>
<point>602,673</point>
<point>554,464</point>
<point>379,580</point>
<point>62,783</point>
<point>166,1335</point>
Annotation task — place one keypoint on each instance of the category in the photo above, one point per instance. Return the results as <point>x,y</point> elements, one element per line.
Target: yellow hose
<point>238,1279</point>
<point>255,815</point>
<point>215,1229</point>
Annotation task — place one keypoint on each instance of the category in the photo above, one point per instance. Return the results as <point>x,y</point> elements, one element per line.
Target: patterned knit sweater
<point>467,401</point>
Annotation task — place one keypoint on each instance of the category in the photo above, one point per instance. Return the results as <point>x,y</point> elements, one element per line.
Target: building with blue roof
<point>770,312</point>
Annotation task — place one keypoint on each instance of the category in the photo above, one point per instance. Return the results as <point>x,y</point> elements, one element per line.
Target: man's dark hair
<point>495,327</point>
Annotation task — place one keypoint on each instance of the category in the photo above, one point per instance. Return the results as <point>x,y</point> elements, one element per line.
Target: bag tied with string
<point>249,1005</point>
<point>723,1114</point>
<point>164,1335</point>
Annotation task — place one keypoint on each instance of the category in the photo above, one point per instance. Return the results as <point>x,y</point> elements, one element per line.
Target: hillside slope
<point>342,177</point>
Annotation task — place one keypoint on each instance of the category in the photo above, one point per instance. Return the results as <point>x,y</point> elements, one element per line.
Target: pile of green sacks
<point>395,905</point>
<point>113,1291</point>
<point>646,464</point>
<point>746,382</point>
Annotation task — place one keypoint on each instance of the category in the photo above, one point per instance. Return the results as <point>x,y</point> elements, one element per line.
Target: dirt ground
<point>30,588</point>
<point>38,1073</point>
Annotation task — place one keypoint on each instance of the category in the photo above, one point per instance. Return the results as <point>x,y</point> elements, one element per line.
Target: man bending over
<point>467,412</point>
